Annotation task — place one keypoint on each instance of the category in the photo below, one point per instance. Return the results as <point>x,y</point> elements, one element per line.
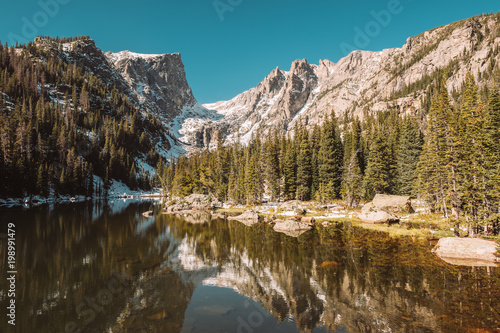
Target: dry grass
<point>395,230</point>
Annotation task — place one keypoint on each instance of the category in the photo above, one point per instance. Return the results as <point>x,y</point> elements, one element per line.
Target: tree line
<point>60,126</point>
<point>447,156</point>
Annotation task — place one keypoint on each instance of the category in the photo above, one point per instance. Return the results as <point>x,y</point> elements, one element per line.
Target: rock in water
<point>194,202</point>
<point>290,225</point>
<point>250,217</point>
<point>467,251</point>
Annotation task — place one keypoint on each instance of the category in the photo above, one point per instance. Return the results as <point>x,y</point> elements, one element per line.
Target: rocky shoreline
<point>291,218</point>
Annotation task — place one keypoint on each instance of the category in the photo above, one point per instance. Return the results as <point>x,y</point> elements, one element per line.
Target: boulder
<point>372,214</point>
<point>290,225</point>
<point>308,220</point>
<point>393,203</point>
<point>194,202</point>
<point>291,228</point>
<point>250,217</point>
<point>467,251</point>
<point>382,208</point>
<point>291,205</point>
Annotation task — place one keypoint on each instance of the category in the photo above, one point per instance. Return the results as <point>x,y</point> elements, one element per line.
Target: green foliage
<point>304,167</point>
<point>57,120</point>
<point>379,177</point>
<point>408,154</point>
<point>330,158</point>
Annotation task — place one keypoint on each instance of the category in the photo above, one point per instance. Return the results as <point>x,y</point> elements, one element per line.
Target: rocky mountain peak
<point>273,82</point>
<point>157,80</point>
<point>366,81</point>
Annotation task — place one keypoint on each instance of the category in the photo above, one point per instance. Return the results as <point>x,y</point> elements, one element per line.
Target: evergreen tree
<point>330,158</point>
<point>408,154</point>
<point>289,170</point>
<point>352,177</point>
<point>304,168</point>
<point>379,175</point>
<point>273,175</point>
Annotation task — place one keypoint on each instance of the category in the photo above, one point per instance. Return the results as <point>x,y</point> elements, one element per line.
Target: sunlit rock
<point>467,251</point>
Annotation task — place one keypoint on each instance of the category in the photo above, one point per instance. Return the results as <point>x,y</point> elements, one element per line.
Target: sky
<point>229,46</point>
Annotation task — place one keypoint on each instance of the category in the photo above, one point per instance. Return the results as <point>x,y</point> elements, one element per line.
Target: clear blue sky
<point>232,48</point>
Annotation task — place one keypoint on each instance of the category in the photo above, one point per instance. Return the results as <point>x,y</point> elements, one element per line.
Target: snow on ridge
<point>117,56</point>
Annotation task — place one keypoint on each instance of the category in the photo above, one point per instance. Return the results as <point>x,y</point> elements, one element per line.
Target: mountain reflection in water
<point>106,268</point>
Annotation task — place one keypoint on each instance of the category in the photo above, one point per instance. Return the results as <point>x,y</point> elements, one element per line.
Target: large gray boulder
<point>467,251</point>
<point>383,207</point>
<point>194,202</point>
<point>250,217</point>
<point>291,205</point>
<point>377,216</point>
<point>290,225</point>
<point>392,203</point>
<point>372,214</point>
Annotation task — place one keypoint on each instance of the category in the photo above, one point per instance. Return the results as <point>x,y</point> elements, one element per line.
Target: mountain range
<point>361,83</point>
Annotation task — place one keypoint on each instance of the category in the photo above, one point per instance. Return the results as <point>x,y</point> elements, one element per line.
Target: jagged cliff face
<point>158,81</point>
<point>155,83</point>
<point>363,81</point>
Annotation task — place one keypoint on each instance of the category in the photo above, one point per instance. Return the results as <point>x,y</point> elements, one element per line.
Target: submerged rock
<point>467,251</point>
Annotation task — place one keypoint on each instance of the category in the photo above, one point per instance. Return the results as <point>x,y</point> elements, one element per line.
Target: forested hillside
<point>447,155</point>
<point>60,125</point>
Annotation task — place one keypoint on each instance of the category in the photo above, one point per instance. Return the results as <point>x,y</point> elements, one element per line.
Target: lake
<point>104,267</point>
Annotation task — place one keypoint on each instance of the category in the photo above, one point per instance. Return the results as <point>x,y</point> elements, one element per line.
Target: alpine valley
<point>76,119</point>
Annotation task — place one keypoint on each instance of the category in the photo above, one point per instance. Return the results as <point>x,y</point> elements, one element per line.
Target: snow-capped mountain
<point>361,82</point>
<point>364,81</point>
<point>157,81</point>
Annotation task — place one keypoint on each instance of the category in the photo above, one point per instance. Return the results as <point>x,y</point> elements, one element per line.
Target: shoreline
<point>36,201</point>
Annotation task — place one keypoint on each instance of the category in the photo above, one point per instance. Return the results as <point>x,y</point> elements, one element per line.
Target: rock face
<point>361,81</point>
<point>158,81</point>
<point>467,251</point>
<point>155,83</point>
<point>194,202</point>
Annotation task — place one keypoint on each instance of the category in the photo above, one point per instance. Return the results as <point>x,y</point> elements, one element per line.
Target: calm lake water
<point>98,267</point>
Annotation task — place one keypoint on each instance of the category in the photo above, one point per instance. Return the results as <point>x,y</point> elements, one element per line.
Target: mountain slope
<point>67,124</point>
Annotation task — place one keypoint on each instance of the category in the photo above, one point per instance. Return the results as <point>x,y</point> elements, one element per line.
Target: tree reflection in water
<point>339,278</point>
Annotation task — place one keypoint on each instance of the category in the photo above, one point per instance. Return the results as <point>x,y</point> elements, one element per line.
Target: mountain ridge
<point>364,81</point>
